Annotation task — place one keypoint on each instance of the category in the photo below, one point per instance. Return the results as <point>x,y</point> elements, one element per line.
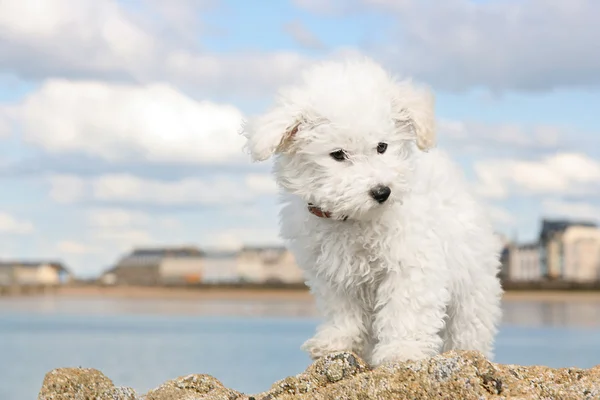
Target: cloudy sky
<point>119,118</point>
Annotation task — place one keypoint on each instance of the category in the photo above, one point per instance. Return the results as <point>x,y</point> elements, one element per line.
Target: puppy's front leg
<point>410,311</point>
<point>343,327</point>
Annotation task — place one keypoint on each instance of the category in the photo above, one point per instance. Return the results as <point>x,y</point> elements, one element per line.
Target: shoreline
<point>158,292</point>
<point>264,293</point>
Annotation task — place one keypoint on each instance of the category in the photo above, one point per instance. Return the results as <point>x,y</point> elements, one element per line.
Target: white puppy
<point>400,257</point>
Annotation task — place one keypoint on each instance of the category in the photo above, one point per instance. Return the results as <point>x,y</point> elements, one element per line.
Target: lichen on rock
<point>193,387</point>
<point>454,375</point>
<point>325,371</point>
<point>82,384</point>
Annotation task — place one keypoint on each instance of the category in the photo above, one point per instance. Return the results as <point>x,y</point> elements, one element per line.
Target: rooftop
<point>31,264</point>
<point>167,251</point>
<point>552,226</point>
<point>153,256</point>
<point>264,248</point>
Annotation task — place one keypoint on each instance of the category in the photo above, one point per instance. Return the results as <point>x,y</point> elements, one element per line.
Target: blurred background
<point>137,238</point>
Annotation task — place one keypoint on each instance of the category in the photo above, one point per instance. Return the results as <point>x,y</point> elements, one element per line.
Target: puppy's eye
<point>381,148</point>
<point>339,155</point>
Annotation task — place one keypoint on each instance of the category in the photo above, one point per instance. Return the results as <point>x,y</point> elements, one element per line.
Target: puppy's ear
<point>272,132</point>
<point>415,108</point>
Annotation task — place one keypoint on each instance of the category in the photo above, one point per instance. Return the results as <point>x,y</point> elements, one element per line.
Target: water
<point>248,345</point>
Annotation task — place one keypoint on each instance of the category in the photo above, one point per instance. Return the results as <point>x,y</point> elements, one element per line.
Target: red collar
<point>315,210</point>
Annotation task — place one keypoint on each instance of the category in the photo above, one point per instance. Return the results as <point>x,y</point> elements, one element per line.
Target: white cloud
<point>126,238</point>
<point>330,7</point>
<point>79,37</point>
<point>262,71</point>
<point>108,230</point>
<point>501,45</point>
<point>120,218</point>
<point>500,216</point>
<point>73,247</point>
<point>527,45</point>
<point>235,239</point>
<point>14,226</point>
<point>128,188</point>
<point>115,218</point>
<point>485,135</point>
<point>180,20</point>
<point>144,42</point>
<point>302,35</point>
<point>563,172</point>
<point>152,123</point>
<point>132,189</point>
<point>5,128</point>
<point>573,209</point>
<point>67,188</point>
<point>458,44</point>
<point>111,243</point>
<point>261,183</point>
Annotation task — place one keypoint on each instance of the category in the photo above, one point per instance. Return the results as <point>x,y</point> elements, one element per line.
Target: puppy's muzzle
<point>381,193</point>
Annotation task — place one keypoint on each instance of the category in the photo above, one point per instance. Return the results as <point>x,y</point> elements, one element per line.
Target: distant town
<point>171,266</point>
<point>565,255</point>
<point>565,251</point>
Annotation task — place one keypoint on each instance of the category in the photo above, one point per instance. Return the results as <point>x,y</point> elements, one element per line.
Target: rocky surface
<point>453,375</point>
<point>82,384</point>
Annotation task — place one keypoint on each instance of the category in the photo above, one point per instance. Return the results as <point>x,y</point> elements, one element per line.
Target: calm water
<point>247,345</point>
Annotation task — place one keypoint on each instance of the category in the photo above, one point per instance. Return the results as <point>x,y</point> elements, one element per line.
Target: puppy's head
<point>344,137</point>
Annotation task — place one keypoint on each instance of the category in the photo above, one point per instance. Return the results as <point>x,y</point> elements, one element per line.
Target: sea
<point>247,344</point>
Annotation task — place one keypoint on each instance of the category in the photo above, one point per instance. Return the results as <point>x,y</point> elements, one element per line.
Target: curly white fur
<point>405,279</point>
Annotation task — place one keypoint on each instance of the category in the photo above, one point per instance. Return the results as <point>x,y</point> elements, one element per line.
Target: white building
<point>28,273</point>
<point>552,245</point>
<point>268,265</point>
<point>524,264</point>
<point>220,268</point>
<point>176,265</point>
<point>153,266</point>
<point>581,254</point>
<point>181,269</point>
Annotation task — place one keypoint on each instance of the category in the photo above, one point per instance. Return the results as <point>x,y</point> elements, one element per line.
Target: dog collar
<point>318,211</point>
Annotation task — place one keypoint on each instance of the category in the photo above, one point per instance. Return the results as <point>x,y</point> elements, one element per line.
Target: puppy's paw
<point>399,352</point>
<point>320,345</point>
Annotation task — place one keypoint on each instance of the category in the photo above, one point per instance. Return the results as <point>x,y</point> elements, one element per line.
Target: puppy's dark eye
<point>339,155</point>
<point>381,148</point>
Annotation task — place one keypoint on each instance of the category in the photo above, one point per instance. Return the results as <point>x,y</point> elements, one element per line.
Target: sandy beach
<point>183,293</point>
<point>278,294</point>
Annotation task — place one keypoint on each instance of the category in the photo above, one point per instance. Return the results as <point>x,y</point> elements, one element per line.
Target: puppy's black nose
<point>381,193</point>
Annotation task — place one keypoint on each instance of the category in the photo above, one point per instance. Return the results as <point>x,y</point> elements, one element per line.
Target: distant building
<point>522,263</point>
<point>504,256</point>
<point>220,268</point>
<point>6,275</point>
<point>182,266</point>
<point>580,254</point>
<point>567,250</point>
<point>504,263</point>
<point>140,267</point>
<point>24,273</point>
<point>108,277</point>
<point>153,266</point>
<point>551,245</point>
<point>268,265</point>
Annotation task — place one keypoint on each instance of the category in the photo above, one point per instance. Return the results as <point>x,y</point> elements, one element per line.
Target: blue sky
<point>118,119</point>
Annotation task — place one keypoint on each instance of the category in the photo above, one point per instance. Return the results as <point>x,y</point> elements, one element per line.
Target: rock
<point>457,375</point>
<point>82,383</point>
<point>453,375</point>
<point>193,387</point>
<point>329,369</point>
